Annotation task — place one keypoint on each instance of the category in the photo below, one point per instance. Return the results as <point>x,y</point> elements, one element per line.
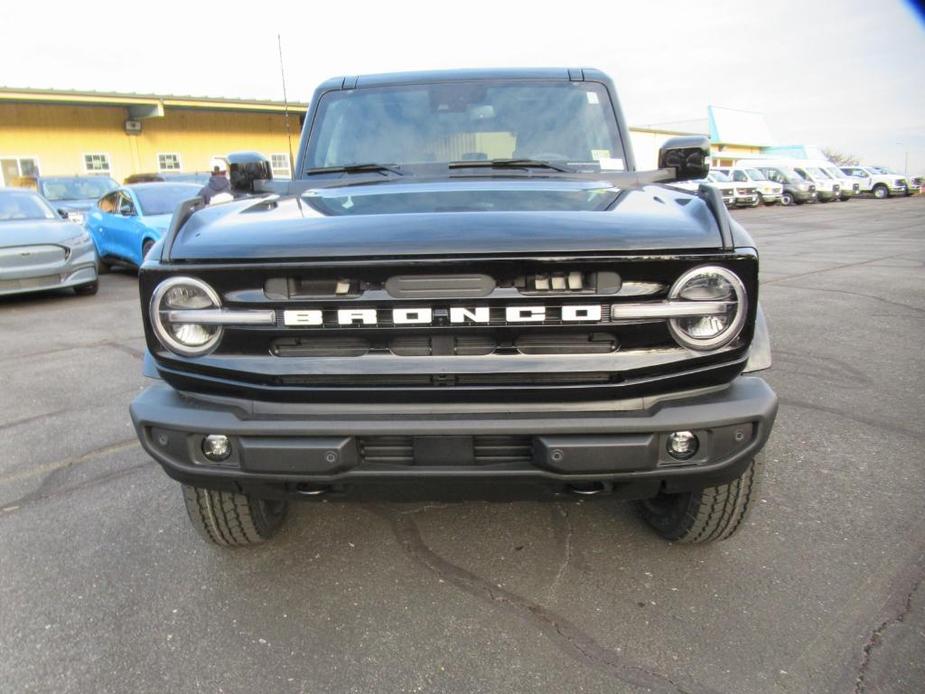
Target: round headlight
<point>728,305</point>
<point>184,337</point>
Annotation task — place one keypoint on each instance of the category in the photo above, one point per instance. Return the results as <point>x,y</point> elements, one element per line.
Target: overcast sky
<point>845,74</point>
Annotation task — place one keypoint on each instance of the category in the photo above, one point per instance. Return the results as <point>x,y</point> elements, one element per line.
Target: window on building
<point>14,167</point>
<point>168,162</point>
<point>96,163</point>
<point>280,165</point>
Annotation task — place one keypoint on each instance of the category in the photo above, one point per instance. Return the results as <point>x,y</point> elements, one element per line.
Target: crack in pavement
<point>869,421</point>
<point>831,269</point>
<point>39,495</point>
<point>566,635</point>
<point>876,636</point>
<point>115,344</point>
<point>50,469</point>
<point>849,293</point>
<point>567,541</point>
<point>33,418</point>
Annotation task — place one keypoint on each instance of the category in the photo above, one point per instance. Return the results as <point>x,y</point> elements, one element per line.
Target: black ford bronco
<point>466,291</point>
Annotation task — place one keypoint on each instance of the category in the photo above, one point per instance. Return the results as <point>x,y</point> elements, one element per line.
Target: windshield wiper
<point>371,167</point>
<point>508,164</point>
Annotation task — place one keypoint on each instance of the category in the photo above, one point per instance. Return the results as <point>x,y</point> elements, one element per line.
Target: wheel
<point>228,519</point>
<point>145,248</point>
<point>707,515</point>
<point>786,199</point>
<point>757,201</point>
<point>88,289</point>
<point>881,191</point>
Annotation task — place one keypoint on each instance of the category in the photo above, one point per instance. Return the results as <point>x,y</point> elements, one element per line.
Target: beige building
<point>52,132</point>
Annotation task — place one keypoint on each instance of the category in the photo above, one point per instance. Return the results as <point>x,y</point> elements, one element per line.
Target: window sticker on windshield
<point>610,164</point>
<point>592,97</point>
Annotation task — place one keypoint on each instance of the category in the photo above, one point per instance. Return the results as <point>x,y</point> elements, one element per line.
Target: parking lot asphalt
<point>104,586</point>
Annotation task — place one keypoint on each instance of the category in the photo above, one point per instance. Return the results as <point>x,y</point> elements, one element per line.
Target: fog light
<point>682,444</point>
<point>216,447</point>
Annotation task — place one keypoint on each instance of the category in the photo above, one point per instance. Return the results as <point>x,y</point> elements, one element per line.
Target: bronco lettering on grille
<point>425,316</point>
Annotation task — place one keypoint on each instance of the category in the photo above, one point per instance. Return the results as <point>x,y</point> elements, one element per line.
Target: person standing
<point>218,182</point>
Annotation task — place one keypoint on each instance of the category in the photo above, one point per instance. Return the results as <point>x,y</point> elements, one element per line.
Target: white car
<point>875,181</point>
<point>768,191</point>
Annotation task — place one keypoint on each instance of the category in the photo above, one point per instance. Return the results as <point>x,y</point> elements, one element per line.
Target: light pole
<point>905,158</point>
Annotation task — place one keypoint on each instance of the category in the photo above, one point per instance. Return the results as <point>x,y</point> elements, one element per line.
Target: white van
<point>768,191</point>
<point>828,187</point>
<point>850,185</point>
<point>796,189</point>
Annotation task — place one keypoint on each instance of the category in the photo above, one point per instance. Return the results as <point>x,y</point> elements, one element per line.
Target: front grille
<point>30,282</point>
<point>447,345</point>
<point>22,257</point>
<point>447,380</point>
<point>575,350</point>
<point>486,450</point>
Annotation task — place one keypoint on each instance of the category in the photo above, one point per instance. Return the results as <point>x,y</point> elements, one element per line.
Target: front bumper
<point>287,449</point>
<point>802,195</point>
<point>78,268</point>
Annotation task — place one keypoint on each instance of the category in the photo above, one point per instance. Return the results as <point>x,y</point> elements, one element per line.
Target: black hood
<point>472,217</point>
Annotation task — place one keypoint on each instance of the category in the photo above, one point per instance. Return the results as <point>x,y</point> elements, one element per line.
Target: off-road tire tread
<point>227,519</point>
<point>714,513</point>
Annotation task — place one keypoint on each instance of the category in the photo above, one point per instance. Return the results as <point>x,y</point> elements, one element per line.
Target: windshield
<point>163,198</point>
<point>883,170</point>
<point>15,205</point>
<point>816,172</point>
<point>719,177</point>
<point>756,175</point>
<point>834,172</point>
<point>564,122</point>
<point>77,187</point>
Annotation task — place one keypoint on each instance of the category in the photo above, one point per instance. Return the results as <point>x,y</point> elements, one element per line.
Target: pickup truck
<point>467,290</point>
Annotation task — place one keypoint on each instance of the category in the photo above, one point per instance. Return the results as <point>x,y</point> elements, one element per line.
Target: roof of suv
<point>433,76</point>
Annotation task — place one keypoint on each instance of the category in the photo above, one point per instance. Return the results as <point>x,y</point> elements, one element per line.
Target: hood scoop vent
<point>439,286</point>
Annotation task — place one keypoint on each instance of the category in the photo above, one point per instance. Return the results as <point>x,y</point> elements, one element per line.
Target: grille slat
<point>487,450</point>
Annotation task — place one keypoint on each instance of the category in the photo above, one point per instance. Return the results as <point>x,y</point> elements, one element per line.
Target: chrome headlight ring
<point>161,325</point>
<point>728,333</point>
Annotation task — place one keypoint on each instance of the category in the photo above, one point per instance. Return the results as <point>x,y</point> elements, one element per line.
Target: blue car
<point>129,220</point>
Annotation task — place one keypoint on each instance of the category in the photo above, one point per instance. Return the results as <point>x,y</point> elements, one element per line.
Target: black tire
<point>228,519</point>
<point>786,199</point>
<point>145,248</point>
<point>88,289</point>
<point>757,201</point>
<point>708,515</point>
<point>881,191</point>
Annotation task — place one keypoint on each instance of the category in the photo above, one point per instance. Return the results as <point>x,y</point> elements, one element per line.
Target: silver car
<point>40,250</point>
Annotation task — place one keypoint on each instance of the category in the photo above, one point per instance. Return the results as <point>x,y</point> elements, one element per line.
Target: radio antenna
<point>282,72</point>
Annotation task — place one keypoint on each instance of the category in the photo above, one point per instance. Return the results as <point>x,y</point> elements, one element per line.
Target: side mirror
<point>689,156</point>
<point>63,212</point>
<point>245,169</point>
